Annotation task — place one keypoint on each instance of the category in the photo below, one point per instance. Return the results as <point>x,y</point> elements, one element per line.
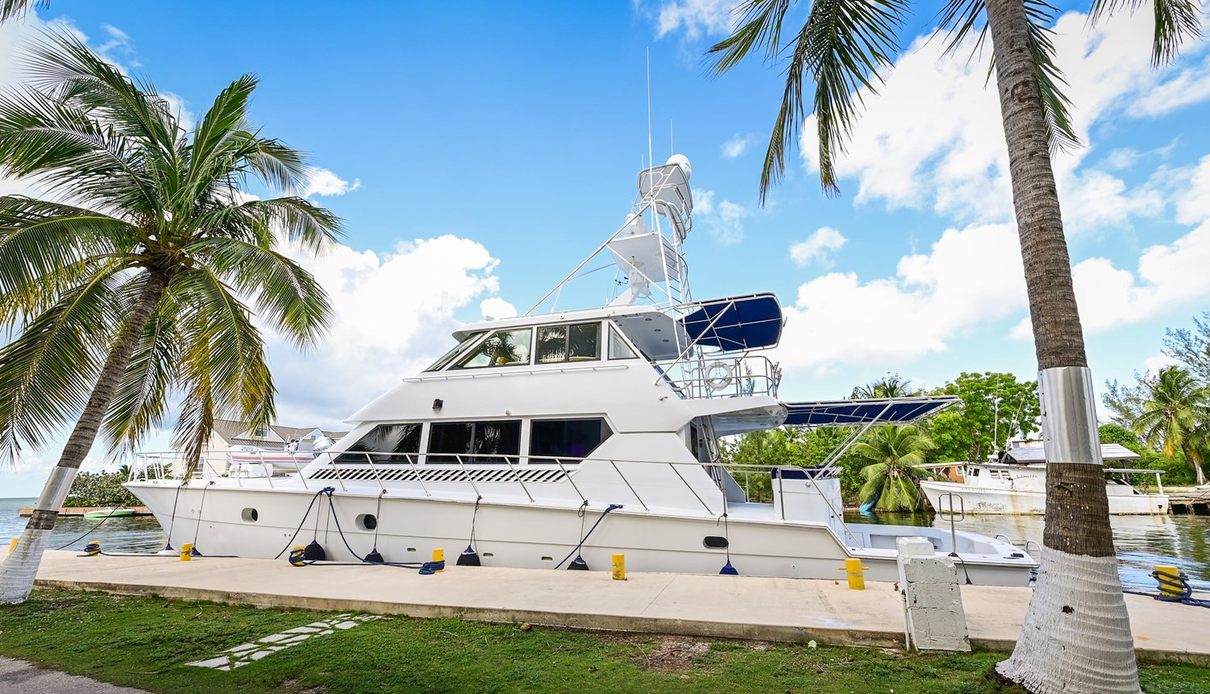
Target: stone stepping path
<point>245,653</point>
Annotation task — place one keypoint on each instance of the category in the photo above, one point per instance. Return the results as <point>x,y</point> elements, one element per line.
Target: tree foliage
<point>891,457</point>
<point>138,210</point>
<point>99,489</point>
<point>994,409</point>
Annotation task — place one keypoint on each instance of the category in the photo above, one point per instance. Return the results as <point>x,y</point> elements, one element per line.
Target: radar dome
<point>682,161</point>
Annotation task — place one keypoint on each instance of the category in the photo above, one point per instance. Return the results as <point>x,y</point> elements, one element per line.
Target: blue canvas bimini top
<point>849,412</point>
<point>736,323</point>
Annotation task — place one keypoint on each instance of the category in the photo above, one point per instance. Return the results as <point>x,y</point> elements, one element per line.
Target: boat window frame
<point>459,364</point>
<point>567,327</point>
<point>445,458</point>
<point>544,460</point>
<point>353,456</point>
<point>612,332</point>
<point>456,351</point>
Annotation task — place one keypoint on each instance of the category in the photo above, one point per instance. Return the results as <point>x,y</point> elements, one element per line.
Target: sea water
<point>1141,542</point>
<point>115,534</point>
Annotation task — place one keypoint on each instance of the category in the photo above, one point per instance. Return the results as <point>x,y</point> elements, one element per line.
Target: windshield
<point>449,356</point>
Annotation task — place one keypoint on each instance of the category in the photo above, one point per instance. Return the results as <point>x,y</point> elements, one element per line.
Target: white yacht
<point>1015,483</point>
<point>556,439</point>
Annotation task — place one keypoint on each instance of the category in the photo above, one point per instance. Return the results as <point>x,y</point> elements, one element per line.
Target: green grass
<point>146,642</point>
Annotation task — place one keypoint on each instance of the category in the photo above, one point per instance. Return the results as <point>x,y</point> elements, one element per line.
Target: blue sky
<point>478,156</point>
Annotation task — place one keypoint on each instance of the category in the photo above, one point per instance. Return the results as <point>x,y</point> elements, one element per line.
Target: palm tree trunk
<point>1076,636</point>
<point>19,569</point>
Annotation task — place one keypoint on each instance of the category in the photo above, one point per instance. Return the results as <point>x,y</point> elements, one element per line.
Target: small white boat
<point>1015,484</point>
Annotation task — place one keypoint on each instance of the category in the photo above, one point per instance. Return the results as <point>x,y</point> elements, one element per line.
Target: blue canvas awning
<point>849,412</point>
<point>736,323</point>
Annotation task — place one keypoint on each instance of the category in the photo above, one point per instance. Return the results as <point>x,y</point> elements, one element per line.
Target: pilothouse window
<point>457,349</point>
<point>577,342</point>
<point>618,349</point>
<point>384,438</point>
<point>501,348</point>
<point>474,442</point>
<point>571,438</point>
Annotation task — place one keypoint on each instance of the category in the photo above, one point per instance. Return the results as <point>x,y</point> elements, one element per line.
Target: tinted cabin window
<point>618,349</point>
<point>577,342</point>
<point>384,438</point>
<point>501,348</point>
<point>457,349</point>
<point>475,442</point>
<point>565,438</point>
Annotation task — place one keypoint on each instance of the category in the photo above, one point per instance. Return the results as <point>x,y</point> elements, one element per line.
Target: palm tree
<point>889,386</point>
<point>892,472</point>
<point>1175,415</point>
<point>130,285</point>
<point>1076,635</point>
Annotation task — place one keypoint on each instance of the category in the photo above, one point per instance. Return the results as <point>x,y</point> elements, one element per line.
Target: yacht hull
<point>1123,500</point>
<point>537,535</point>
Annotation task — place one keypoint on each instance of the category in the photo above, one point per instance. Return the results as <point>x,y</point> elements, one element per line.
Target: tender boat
<point>555,439</point>
<point>1015,483</point>
<point>99,513</point>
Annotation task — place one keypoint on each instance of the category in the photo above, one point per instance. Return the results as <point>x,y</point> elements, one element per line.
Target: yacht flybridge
<point>556,439</point>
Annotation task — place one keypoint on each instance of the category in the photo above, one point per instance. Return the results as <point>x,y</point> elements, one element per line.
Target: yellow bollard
<point>12,545</point>
<point>186,552</point>
<point>1169,578</point>
<point>853,568</point>
<point>439,557</point>
<point>619,567</point>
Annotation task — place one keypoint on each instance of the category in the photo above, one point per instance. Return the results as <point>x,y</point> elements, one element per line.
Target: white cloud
<point>736,146</point>
<point>969,276</point>
<point>393,314</point>
<point>817,246</point>
<point>723,220</point>
<point>1156,362</point>
<point>932,136</point>
<point>1168,277</point>
<point>1121,158</point>
<point>325,183</point>
<point>1187,87</point>
<point>495,308</point>
<point>696,18</point>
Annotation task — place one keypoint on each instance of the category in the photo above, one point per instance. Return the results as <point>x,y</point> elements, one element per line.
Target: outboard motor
<point>808,494</point>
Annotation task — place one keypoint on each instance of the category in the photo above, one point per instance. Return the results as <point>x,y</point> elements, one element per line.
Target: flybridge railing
<point>722,376</point>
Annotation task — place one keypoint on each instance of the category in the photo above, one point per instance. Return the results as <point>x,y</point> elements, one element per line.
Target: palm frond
<point>1176,22</point>
<point>48,371</point>
<point>843,45</point>
<point>41,241</point>
<point>16,9</point>
<point>963,19</point>
<point>285,294</point>
<point>220,345</point>
<point>759,27</point>
<point>63,67</point>
<point>141,399</point>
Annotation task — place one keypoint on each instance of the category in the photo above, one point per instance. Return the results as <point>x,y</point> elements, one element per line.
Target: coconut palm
<point>889,386</point>
<point>139,277</point>
<point>842,46</point>
<point>892,472</point>
<point>1175,415</point>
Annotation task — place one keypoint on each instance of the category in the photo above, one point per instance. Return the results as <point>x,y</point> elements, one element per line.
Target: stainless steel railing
<point>722,376</point>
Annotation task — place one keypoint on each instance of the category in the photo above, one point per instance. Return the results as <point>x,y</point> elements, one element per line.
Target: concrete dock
<point>766,609</point>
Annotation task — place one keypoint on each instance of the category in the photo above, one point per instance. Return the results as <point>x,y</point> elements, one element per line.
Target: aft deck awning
<point>736,323</point>
<point>850,412</point>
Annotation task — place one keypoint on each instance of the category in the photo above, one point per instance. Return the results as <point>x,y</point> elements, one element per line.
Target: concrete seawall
<point>767,609</point>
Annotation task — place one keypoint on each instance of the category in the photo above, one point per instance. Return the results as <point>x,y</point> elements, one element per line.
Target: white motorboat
<point>1015,483</point>
<point>559,438</point>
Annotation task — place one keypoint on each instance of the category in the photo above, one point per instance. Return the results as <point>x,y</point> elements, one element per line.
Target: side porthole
<point>250,515</point>
<point>367,521</point>
<point>714,542</point>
